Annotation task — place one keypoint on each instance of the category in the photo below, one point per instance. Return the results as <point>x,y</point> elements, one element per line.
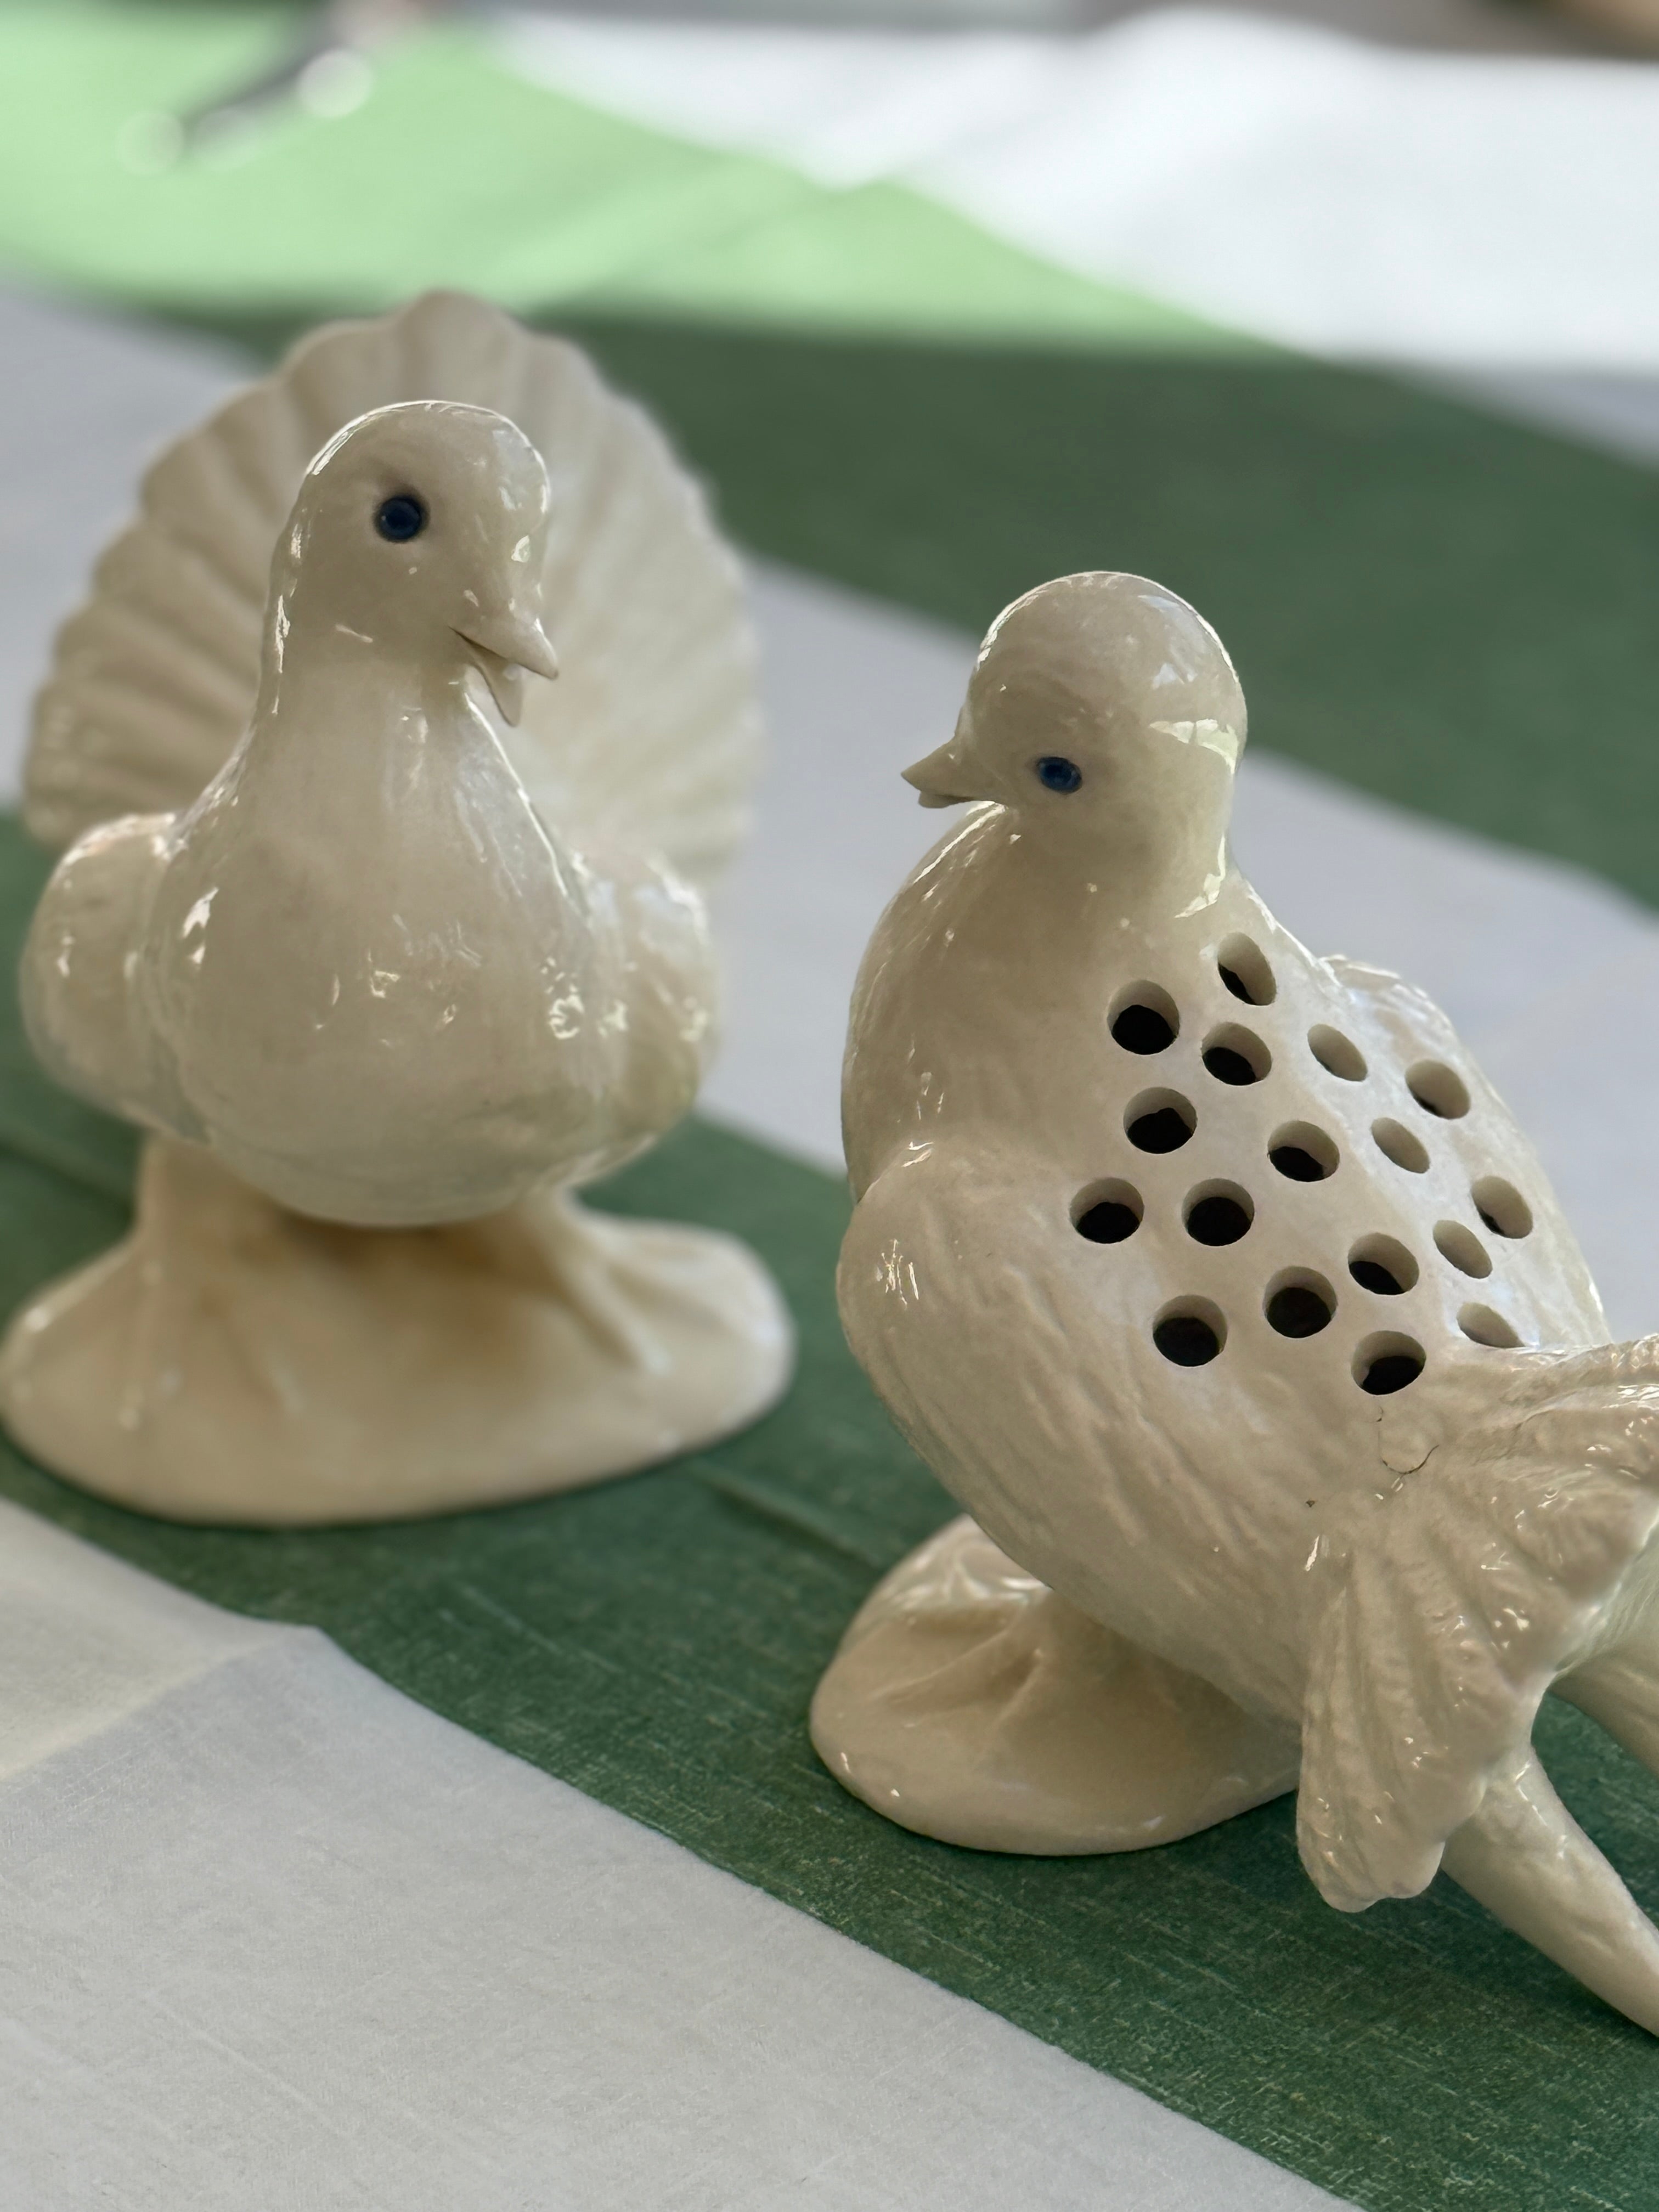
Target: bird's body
<point>1009,1114</point>
<point>361,966</point>
<point>1224,1293</point>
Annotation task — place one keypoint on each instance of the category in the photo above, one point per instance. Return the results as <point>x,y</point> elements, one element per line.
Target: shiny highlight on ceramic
<point>1161,1257</point>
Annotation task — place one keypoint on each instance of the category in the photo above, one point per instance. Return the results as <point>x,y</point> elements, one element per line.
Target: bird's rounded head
<point>421,527</point>
<point>1102,703</point>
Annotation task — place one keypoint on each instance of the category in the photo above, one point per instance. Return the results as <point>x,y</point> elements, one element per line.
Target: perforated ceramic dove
<point>376,977</point>
<point>1224,1293</point>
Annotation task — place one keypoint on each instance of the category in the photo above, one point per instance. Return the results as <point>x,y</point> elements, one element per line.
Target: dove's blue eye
<point>401,517</point>
<point>1055,773</point>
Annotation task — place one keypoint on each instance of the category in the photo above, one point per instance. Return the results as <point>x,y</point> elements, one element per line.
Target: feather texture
<point>1503,1550</point>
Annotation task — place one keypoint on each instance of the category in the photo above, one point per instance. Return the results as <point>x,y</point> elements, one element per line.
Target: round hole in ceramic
<point>1395,1142</point>
<point>1144,1018</point>
<point>1383,1264</point>
<point>1336,1054</point>
<point>1482,1326</point>
<point>1298,1303</point>
<point>1302,1153</point>
<point>1462,1248</point>
<point>1235,1055</point>
<point>1159,1122</point>
<point>1218,1212</point>
<point>1502,1207</point>
<point>1244,970</point>
<point>1438,1089</point>
<point>1107,1212</point>
<point>1386,1363</point>
<point>1189,1332</point>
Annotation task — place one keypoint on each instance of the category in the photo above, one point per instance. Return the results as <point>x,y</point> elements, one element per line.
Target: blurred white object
<point>1351,200</point>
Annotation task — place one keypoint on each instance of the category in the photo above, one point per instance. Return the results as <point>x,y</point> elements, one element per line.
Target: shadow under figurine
<point>1217,1285</point>
<point>386,982</point>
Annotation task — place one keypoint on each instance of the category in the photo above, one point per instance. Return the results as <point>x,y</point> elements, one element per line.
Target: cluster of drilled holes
<point>1235,1055</point>
<point>1190,1332</point>
<point>1144,1018</point>
<point>1159,1122</point>
<point>1302,1153</point>
<point>1337,1055</point>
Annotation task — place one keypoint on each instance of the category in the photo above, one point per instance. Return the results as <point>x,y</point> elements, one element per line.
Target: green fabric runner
<point>1451,610</point>
<point>457,172</point>
<point>655,1642</point>
<point>1448,610</point>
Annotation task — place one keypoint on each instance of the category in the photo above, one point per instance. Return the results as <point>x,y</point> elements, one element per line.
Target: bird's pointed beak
<point>502,646</point>
<point>941,776</point>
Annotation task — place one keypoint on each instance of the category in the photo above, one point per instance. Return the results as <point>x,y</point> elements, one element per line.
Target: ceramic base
<point>971,1704</point>
<point>231,1362</point>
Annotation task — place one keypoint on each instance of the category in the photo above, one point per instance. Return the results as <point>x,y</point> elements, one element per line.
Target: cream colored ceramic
<point>382,973</point>
<point>233,1360</point>
<point>971,1702</point>
<point>1217,1285</point>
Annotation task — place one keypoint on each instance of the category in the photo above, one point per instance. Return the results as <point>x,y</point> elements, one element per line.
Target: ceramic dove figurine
<point>372,977</point>
<point>1217,1284</point>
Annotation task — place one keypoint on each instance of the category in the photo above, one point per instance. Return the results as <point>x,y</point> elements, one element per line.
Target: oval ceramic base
<point>971,1704</point>
<point>231,1362</point>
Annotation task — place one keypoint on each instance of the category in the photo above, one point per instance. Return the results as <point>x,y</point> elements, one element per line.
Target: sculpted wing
<point>649,741</point>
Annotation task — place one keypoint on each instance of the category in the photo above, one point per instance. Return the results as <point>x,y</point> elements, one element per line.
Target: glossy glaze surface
<point>362,968</point>
<point>1224,1293</point>
<point>232,1361</point>
<point>403,950</point>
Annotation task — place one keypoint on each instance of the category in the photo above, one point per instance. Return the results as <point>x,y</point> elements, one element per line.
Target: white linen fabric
<point>1350,199</point>
<point>277,1937</point>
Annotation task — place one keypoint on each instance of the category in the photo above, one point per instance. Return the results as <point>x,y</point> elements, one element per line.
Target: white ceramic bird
<point>362,968</point>
<point>378,972</point>
<point>1217,1284</point>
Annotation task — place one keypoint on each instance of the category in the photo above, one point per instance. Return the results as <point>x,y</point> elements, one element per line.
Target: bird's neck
<point>338,702</point>
<point>1060,882</point>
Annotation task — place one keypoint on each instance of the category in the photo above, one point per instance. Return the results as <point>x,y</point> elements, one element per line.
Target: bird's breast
<point>416,1004</point>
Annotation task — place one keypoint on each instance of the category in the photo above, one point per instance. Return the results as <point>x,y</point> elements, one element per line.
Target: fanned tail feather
<point>1457,1595</point>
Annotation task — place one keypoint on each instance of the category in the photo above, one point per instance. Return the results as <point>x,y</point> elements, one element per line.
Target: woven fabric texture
<point>655,1642</point>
